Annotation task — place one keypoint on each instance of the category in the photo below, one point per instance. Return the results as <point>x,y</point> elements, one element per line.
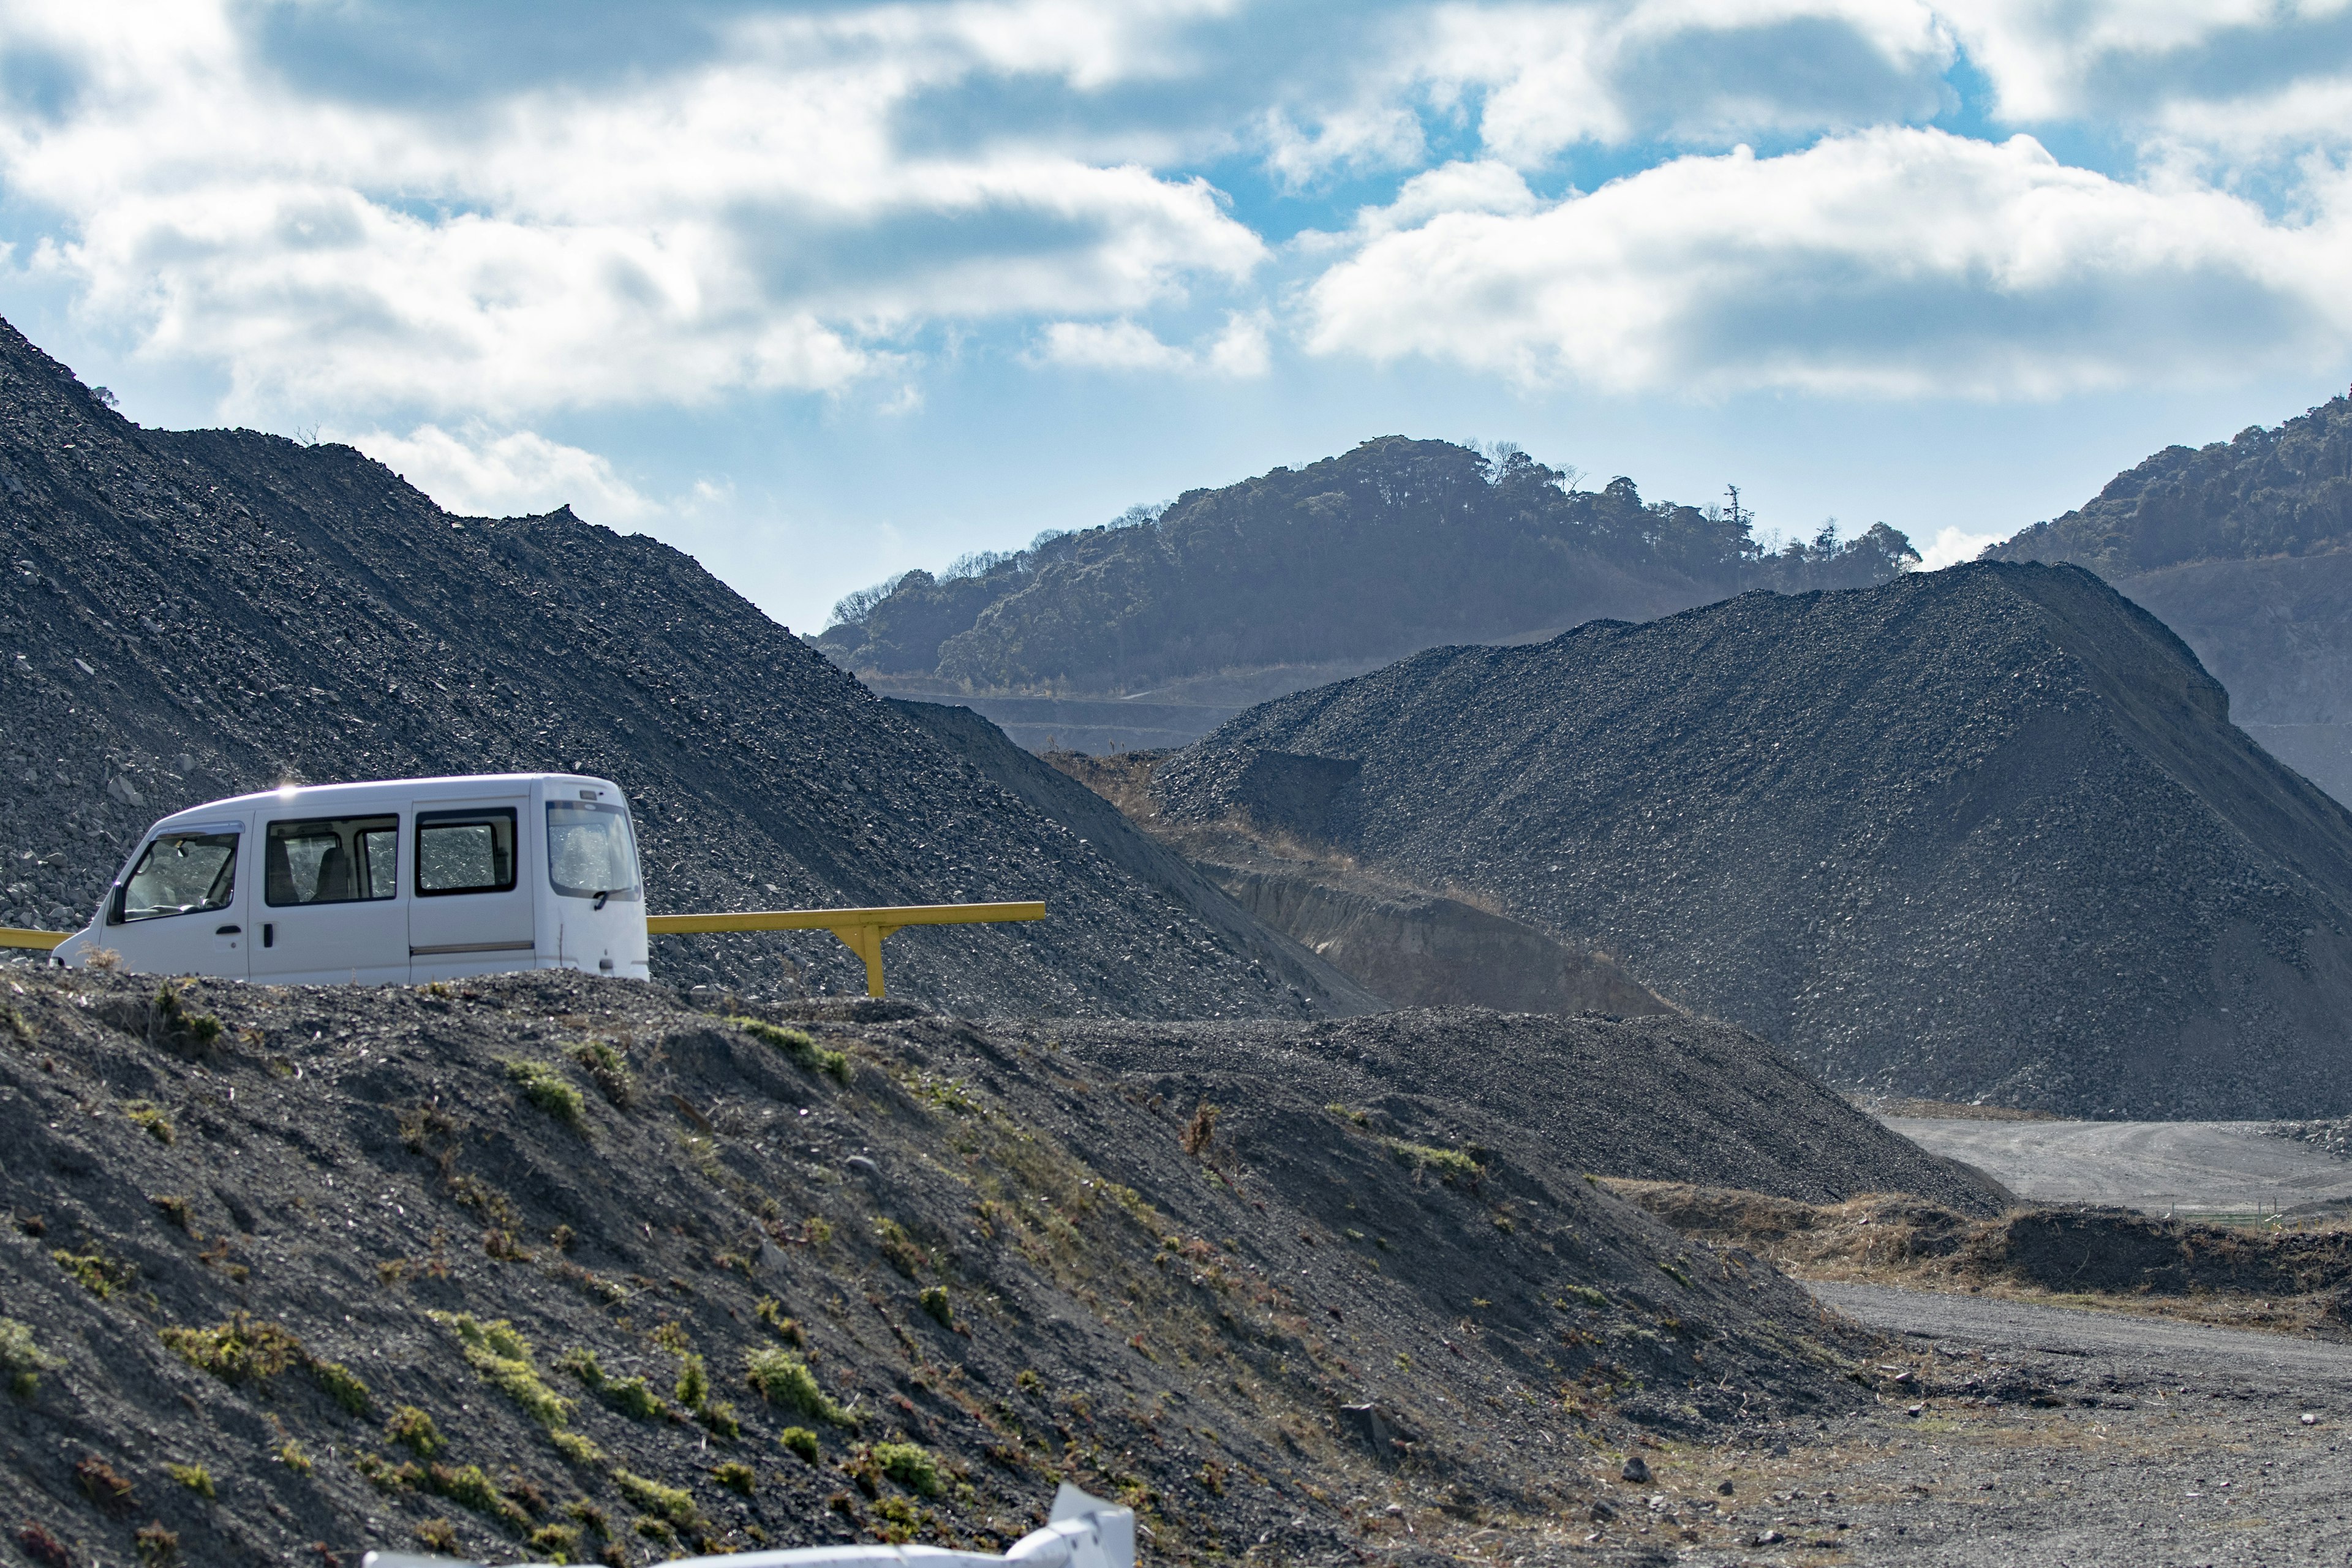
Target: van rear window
<point>178,874</point>
<point>591,853</point>
<point>332,860</point>
<point>465,851</point>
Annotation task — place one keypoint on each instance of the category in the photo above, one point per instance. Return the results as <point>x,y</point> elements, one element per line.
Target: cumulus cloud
<point>830,200</point>
<point>475,472</point>
<point>1903,261</point>
<point>1240,351</point>
<point>743,222</point>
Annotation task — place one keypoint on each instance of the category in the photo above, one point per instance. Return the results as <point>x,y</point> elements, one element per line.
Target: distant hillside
<point>190,615</point>
<point>2243,547</point>
<point>2283,491</point>
<point>1395,546</point>
<point>1978,833</point>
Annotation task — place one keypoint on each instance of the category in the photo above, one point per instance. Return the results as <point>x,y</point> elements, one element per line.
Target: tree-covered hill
<point>1393,547</point>
<point>2265,492</point>
<point>2244,548</point>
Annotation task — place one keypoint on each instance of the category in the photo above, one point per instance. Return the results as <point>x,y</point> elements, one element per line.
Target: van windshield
<point>179,874</point>
<point>590,850</point>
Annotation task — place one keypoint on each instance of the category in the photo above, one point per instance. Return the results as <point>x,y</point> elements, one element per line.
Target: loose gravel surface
<point>1980,834</point>
<point>2044,1436</point>
<point>2186,1167</point>
<point>190,615</point>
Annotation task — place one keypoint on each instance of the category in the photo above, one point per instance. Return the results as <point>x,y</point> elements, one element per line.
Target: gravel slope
<point>192,614</point>
<point>1984,833</point>
<point>1657,1099</point>
<point>983,1241</point>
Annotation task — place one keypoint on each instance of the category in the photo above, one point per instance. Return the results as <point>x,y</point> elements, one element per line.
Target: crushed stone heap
<point>191,614</point>
<point>1984,833</point>
<point>550,1268</point>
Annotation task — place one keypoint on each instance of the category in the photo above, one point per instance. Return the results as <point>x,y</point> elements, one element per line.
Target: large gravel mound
<point>1985,833</point>
<point>192,614</point>
<point>491,1267</point>
<point>1671,1098</point>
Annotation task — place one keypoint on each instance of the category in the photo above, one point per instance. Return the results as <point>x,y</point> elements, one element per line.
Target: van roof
<point>328,797</point>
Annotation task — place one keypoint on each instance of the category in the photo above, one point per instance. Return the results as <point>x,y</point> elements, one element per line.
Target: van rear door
<point>469,906</point>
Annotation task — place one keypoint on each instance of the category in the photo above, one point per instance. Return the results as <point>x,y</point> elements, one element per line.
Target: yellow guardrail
<point>17,936</point>
<point>861,930</point>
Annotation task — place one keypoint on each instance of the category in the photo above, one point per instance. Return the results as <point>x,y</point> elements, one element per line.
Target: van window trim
<point>457,816</point>
<point>393,812</point>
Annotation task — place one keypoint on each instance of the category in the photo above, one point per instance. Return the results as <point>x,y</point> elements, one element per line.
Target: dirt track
<point>2189,1167</point>
<point>2113,1441</point>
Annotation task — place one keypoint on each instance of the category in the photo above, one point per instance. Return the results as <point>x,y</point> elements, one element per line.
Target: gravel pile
<point>492,1266</point>
<point>1980,834</point>
<point>190,615</point>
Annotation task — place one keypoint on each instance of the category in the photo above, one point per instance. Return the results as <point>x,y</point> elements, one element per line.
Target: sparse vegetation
<point>673,1504</point>
<point>150,1117</point>
<point>801,1441</point>
<point>784,1379</point>
<point>607,1071</point>
<point>1450,1164</point>
<point>195,1478</point>
<point>503,1359</point>
<point>22,1359</point>
<point>94,1271</point>
<point>736,1477</point>
<point>157,1547</point>
<point>415,1430</point>
<point>555,1542</point>
<point>546,1087</point>
<point>910,1464</point>
<point>797,1044</point>
<point>936,1306</point>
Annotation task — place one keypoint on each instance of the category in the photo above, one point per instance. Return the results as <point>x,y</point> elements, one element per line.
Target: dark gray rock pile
<point>191,614</point>
<point>548,1268</point>
<point>1986,833</point>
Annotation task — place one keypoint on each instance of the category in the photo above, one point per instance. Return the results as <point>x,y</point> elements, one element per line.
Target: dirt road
<point>2035,1435</point>
<point>2188,1167</point>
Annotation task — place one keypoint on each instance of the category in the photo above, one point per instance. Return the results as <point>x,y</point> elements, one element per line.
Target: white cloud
<point>477,473</point>
<point>746,222</point>
<point>1240,351</point>
<point>1108,345</point>
<point>1902,261</point>
<point>1953,545</point>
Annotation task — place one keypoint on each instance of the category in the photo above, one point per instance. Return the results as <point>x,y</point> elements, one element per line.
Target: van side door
<point>469,907</point>
<point>331,905</point>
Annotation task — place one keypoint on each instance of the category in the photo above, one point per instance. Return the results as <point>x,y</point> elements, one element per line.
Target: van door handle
<point>227,930</point>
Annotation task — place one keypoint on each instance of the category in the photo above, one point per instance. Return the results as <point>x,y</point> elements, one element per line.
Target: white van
<point>408,880</point>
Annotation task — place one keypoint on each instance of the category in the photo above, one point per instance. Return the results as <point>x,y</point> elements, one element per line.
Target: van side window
<point>331,860</point>
<point>178,874</point>
<point>465,851</point>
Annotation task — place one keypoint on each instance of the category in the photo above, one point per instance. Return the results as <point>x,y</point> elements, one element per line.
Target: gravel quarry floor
<point>2188,1167</point>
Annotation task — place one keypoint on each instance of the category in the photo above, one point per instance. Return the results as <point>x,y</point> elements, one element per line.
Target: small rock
<point>1637,1470</point>
<point>2311,1418</point>
<point>1767,1538</point>
<point>1601,1513</point>
<point>1916,1411</point>
<point>1723,1488</point>
<point>862,1165</point>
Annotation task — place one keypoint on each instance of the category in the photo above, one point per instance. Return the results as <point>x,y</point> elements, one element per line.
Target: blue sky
<point>821,292</point>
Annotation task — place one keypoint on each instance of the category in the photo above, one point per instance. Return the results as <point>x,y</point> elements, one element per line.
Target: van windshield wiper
<point>603,893</point>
